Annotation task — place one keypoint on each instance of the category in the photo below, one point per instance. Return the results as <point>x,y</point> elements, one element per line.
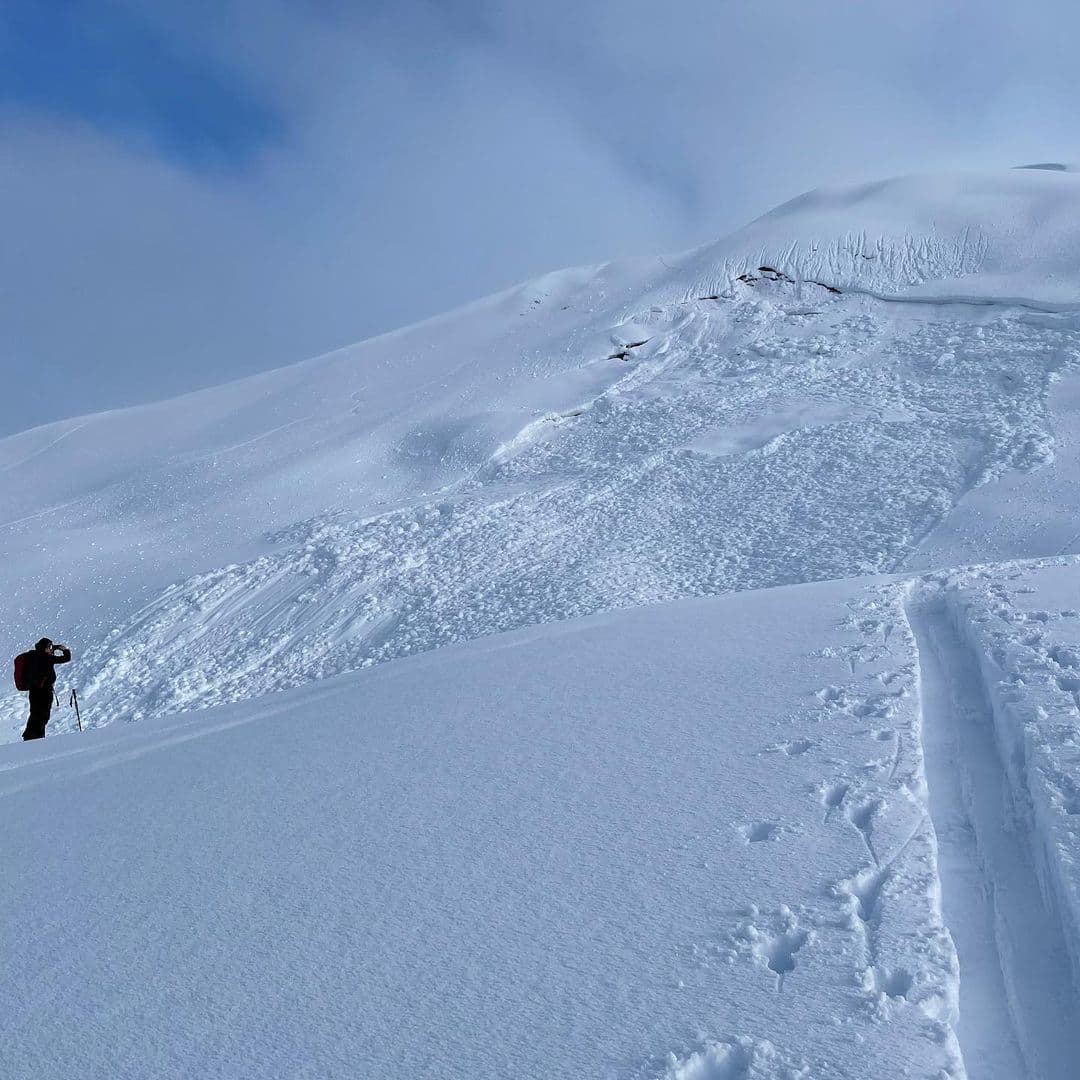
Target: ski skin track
<point>1015,1023</point>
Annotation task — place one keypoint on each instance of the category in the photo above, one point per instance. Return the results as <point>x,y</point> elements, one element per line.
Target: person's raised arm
<point>65,654</point>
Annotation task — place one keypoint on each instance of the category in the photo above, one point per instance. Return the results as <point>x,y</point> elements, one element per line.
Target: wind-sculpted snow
<point>754,441</point>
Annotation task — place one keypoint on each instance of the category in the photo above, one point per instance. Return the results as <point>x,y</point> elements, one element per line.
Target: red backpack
<point>23,665</point>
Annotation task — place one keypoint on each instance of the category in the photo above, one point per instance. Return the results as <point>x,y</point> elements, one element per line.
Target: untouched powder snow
<point>684,841</point>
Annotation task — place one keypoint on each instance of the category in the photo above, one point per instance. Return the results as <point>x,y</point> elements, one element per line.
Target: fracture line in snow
<point>1038,306</point>
<point>1019,1010</point>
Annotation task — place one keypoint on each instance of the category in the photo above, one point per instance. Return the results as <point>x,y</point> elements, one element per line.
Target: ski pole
<point>74,700</point>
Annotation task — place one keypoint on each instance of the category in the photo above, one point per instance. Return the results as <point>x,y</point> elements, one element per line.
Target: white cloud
<point>438,152</point>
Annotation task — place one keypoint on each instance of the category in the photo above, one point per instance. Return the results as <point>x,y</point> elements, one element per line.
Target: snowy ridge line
<point>734,785</point>
<point>955,300</point>
<point>724,286</point>
<point>959,300</point>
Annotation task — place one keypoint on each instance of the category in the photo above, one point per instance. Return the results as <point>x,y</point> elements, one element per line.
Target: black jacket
<point>42,668</point>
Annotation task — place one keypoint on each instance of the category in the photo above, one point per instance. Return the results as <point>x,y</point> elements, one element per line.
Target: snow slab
<point>690,841</point>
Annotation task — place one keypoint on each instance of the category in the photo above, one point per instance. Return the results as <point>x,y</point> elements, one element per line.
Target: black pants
<point>41,702</point>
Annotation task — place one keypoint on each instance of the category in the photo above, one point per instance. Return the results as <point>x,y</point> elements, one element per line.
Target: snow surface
<point>724,838</point>
<point>819,827</point>
<point>570,851</point>
<point>985,237</point>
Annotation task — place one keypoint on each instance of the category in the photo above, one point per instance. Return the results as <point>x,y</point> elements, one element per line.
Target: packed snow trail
<point>1022,623</point>
<point>1019,1010</point>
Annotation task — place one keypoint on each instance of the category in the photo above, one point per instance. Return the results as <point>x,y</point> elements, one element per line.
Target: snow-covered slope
<point>600,438</point>
<point>824,831</point>
<point>986,237</point>
<point>640,845</point>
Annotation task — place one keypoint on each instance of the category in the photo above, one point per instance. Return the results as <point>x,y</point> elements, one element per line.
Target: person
<point>41,678</point>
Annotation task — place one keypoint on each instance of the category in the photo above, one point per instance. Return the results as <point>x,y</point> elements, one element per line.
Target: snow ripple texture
<point>774,434</point>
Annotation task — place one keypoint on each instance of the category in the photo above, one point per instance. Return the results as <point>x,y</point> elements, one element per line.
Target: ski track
<point>613,503</point>
<point>1019,1010</point>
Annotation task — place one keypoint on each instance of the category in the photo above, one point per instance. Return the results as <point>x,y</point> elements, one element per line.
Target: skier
<point>36,672</point>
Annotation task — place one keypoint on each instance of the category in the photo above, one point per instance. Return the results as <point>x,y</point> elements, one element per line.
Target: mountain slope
<point>601,438</point>
<point>824,831</point>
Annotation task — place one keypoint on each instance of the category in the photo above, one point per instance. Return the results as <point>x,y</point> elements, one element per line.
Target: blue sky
<point>192,191</point>
<point>104,64</point>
